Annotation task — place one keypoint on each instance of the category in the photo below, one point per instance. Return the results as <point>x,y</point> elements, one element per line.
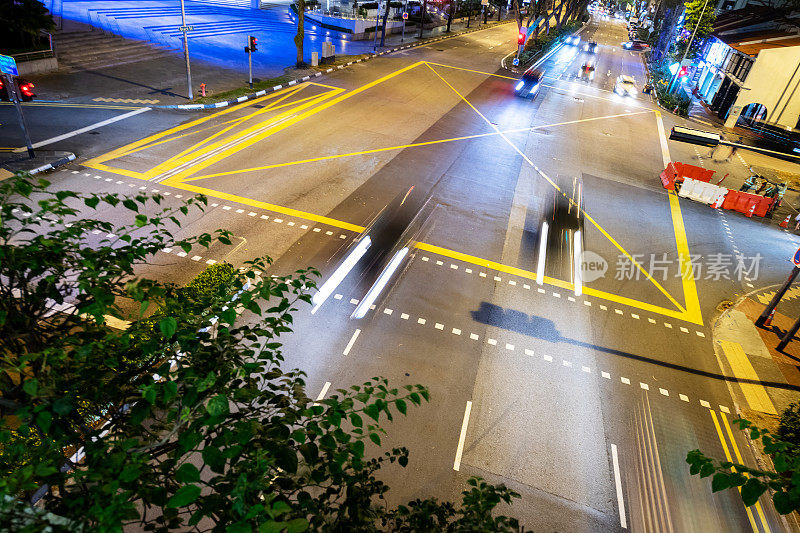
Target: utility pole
<point>185,31</point>
<point>405,16</point>
<point>385,18</point>
<point>422,17</point>
<point>377,20</point>
<point>450,15</point>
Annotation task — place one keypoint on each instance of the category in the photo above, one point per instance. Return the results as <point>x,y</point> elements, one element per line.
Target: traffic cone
<point>768,321</point>
<point>785,223</point>
<point>752,210</point>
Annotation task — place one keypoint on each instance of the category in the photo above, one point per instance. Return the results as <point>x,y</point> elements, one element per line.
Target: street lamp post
<point>691,39</point>
<point>186,50</point>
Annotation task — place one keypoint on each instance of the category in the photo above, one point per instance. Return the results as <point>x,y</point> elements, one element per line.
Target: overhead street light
<point>707,138</point>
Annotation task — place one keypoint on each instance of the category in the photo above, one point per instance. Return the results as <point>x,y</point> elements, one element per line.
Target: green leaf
<point>130,204</point>
<point>286,459</point>
<point>62,406</point>
<point>358,448</point>
<point>168,326</point>
<point>141,221</point>
<point>296,525</point>
<point>355,419</point>
<point>752,490</point>
<point>720,481</point>
<point>185,495</point>
<point>706,470</point>
<point>784,503</point>
<point>92,201</point>
<point>44,419</point>
<point>214,459</point>
<point>31,386</point>
<point>218,405</point>
<point>401,406</point>
<point>187,473</point>
<point>374,437</point>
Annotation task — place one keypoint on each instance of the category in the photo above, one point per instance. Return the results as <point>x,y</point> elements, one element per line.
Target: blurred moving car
<point>573,40</point>
<point>561,235</point>
<point>528,86</point>
<point>635,45</point>
<point>625,86</point>
<point>590,47</point>
<point>24,90</point>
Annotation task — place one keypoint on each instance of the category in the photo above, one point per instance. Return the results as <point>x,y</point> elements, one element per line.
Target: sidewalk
<point>162,81</point>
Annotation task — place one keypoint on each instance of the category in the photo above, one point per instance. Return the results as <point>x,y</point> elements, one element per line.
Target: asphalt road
<point>585,404</point>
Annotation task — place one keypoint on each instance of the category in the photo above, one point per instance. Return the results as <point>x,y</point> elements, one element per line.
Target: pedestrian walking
<point>797,219</point>
<point>715,149</point>
<point>734,149</point>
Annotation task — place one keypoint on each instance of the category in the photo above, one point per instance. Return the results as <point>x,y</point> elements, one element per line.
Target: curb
<point>53,165</point>
<point>198,107</point>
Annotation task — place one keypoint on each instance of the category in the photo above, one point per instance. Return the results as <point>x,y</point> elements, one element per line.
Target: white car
<point>625,86</point>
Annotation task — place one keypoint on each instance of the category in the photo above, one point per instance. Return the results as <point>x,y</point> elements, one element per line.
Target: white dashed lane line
<point>529,352</point>
<point>521,285</point>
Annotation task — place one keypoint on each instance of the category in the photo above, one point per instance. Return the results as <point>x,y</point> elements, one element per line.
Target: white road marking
<point>618,484</point>
<point>85,129</point>
<point>663,138</point>
<point>323,392</point>
<point>683,397</point>
<point>473,336</point>
<point>462,437</point>
<point>421,321</point>
<point>352,342</point>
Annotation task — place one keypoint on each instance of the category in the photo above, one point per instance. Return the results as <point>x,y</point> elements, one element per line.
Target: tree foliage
<point>186,418</point>
<point>700,14</point>
<point>22,22</point>
<point>783,481</point>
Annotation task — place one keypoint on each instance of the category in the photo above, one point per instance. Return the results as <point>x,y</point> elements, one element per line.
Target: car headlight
<point>535,88</point>
<point>519,86</point>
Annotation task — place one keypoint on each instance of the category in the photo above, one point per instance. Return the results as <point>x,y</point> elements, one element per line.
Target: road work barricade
<point>744,202</point>
<point>700,191</point>
<point>678,172</point>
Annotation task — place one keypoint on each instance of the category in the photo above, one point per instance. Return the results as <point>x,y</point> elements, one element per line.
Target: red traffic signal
<point>252,43</point>
<point>521,38</point>
<point>683,71</point>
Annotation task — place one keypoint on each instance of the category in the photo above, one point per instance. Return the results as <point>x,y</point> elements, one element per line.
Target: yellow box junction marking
<point>756,395</point>
<point>218,151</point>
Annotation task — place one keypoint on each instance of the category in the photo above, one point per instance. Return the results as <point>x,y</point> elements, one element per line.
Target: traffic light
<point>521,38</point>
<point>253,43</point>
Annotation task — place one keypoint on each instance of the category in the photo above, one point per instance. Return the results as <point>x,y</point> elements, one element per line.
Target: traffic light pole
<point>250,64</point>
<point>776,299</point>
<point>186,51</point>
<point>789,336</point>
<point>12,92</point>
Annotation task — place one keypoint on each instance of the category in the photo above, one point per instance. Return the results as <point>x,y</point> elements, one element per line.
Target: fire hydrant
<point>202,89</point>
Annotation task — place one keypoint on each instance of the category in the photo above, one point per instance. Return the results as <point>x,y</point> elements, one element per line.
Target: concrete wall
<point>774,81</point>
<point>37,66</point>
<point>355,26</point>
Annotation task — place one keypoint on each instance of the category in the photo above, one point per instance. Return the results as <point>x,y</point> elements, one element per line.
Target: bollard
<point>202,89</point>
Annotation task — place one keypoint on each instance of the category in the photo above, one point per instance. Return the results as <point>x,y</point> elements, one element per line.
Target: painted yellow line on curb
<point>728,456</point>
<point>756,395</point>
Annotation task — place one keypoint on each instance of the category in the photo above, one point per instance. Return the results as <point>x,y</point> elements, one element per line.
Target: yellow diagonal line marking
<point>181,156</point>
<point>690,296</point>
<point>755,394</point>
<point>730,460</point>
<point>290,122</point>
<point>235,121</point>
<point>97,162</point>
<point>404,146</point>
<point>470,70</point>
<point>541,173</point>
<point>735,447</point>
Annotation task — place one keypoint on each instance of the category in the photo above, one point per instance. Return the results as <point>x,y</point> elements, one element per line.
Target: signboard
<point>796,258</point>
<point>8,65</point>
<point>515,62</point>
<point>186,28</point>
<point>405,15</point>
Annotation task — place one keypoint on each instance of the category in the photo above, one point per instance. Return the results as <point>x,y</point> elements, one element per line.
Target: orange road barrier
<point>677,172</point>
<point>785,223</point>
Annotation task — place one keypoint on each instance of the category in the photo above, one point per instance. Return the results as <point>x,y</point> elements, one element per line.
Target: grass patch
<point>242,91</point>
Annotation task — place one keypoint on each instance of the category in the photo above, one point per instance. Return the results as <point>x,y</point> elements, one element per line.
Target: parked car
<point>24,90</point>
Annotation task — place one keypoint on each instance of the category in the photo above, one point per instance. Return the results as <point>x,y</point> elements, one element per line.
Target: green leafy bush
<point>789,428</point>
